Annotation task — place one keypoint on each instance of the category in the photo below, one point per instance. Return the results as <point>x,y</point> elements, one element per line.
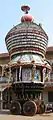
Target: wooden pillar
<point>44,73</point>
<point>20,73</point>
<point>16,74</point>
<point>1,100</point>
<point>40,96</point>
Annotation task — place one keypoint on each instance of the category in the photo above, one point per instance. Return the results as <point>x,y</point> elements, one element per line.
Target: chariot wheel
<point>15,108</point>
<point>29,108</point>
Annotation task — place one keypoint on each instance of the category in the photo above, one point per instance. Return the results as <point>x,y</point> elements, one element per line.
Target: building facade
<point>4,59</point>
<point>48,91</point>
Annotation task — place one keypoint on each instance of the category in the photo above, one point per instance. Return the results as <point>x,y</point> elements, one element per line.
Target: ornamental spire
<point>26,17</point>
<point>25,8</point>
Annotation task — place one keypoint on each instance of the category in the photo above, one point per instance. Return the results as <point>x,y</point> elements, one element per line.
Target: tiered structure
<point>27,43</point>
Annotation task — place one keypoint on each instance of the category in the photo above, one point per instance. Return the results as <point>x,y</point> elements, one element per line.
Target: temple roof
<point>50,49</point>
<point>4,55</point>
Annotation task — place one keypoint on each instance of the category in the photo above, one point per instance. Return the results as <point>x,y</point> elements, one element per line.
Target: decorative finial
<point>25,8</point>
<point>26,17</point>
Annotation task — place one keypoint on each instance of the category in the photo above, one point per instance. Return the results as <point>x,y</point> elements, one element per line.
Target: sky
<point>10,15</point>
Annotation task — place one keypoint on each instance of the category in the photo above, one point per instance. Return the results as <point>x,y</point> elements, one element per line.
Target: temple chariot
<point>28,68</point>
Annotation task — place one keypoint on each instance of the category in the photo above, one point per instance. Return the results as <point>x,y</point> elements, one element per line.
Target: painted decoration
<point>37,76</point>
<point>29,58</point>
<point>46,75</point>
<point>26,74</point>
<point>25,58</point>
